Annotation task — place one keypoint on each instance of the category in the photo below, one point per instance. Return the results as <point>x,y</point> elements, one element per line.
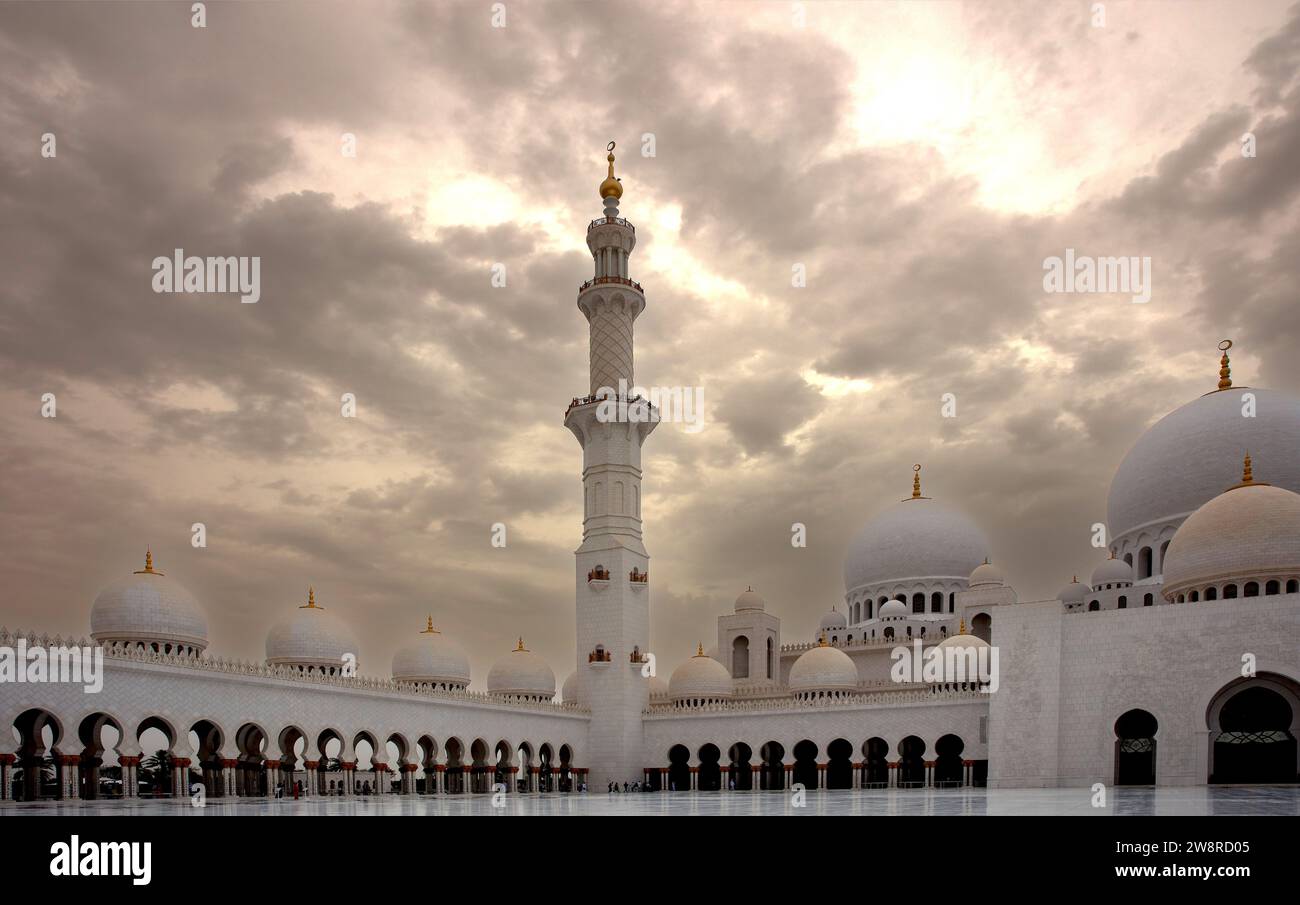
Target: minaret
<point>613,593</point>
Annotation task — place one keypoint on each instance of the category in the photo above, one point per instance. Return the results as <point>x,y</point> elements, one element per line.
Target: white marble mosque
<point>1174,664</point>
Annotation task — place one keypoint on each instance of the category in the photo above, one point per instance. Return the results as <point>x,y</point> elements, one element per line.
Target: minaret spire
<point>1225,370</point>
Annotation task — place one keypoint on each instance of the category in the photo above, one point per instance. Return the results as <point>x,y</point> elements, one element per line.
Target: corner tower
<point>613,591</point>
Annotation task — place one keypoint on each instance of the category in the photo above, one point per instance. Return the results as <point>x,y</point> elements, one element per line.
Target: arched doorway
<point>911,767</point>
<point>739,768</point>
<point>948,766</point>
<point>805,764</point>
<point>1253,731</point>
<point>250,769</point>
<point>710,773</point>
<point>876,767</point>
<point>679,769</point>
<point>455,772</point>
<point>982,627</point>
<point>839,766</point>
<point>1135,749</point>
<point>97,733</point>
<point>36,773</point>
<point>207,739</point>
<point>772,776</point>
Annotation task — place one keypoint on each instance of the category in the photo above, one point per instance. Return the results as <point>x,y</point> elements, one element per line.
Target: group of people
<point>628,787</point>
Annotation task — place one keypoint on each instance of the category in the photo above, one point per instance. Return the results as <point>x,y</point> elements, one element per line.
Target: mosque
<point>1175,663</point>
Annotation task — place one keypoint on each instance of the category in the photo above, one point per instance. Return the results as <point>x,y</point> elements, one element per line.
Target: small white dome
<point>823,668</point>
<point>569,690</point>
<point>521,672</point>
<point>1250,531</point>
<point>986,575</point>
<point>893,609</point>
<point>434,659</point>
<point>700,677</point>
<point>148,607</point>
<point>311,639</point>
<point>1112,571</point>
<point>750,602</point>
<point>1074,592</point>
<point>958,667</point>
<point>963,640</point>
<point>833,621</point>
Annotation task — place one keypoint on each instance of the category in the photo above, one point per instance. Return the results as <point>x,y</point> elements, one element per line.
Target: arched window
<point>936,602</point>
<point>1094,606</point>
<point>1211,593</point>
<point>740,657</point>
<point>952,597</point>
<point>1144,562</point>
<point>1229,592</point>
<point>918,602</point>
<point>1147,600</point>
<point>869,607</point>
<point>889,632</point>
<point>1194,596</point>
<point>1163,547</point>
<point>1273,587</point>
<point>1292,586</point>
<point>1252,589</point>
<point>1123,603</point>
<point>771,650</point>
<point>1128,558</point>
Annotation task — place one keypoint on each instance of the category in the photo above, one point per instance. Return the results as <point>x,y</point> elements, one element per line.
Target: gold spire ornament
<point>311,600</point>
<point>961,626</point>
<point>611,187</point>
<point>1248,476</point>
<point>148,565</point>
<point>1225,370</point>
<point>916,485</point>
<point>429,629</point>
<point>699,650</point>
<point>822,641</point>
<point>520,647</point>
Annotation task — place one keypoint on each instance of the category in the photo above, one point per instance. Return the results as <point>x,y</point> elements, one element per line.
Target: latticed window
<point>1268,736</point>
<point>1137,746</point>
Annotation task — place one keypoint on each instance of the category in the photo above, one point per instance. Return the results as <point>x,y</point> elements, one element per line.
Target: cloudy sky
<point>920,160</point>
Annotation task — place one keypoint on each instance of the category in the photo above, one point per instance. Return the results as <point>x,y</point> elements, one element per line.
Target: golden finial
<point>699,650</point>
<point>611,187</point>
<point>916,482</point>
<point>1248,476</point>
<point>822,641</point>
<point>961,626</point>
<point>429,629</point>
<point>311,600</point>
<point>519,648</point>
<point>1225,371</point>
<point>148,565</point>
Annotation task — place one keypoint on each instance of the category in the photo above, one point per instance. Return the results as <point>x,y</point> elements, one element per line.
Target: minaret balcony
<point>638,580</point>
<point>621,281</point>
<point>617,221</point>
<point>598,578</point>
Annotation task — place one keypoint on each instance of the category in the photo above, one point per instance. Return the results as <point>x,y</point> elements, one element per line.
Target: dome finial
<point>1246,476</point>
<point>520,646</point>
<point>916,482</point>
<point>311,600</point>
<point>961,626</point>
<point>148,564</point>
<point>1225,370</point>
<point>822,640</point>
<point>429,629</point>
<point>611,187</point>
<point>699,649</point>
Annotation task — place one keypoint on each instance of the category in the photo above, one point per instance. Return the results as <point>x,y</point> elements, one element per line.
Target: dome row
<point>148,610</point>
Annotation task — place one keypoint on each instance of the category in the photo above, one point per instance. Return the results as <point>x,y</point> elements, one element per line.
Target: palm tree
<point>158,767</point>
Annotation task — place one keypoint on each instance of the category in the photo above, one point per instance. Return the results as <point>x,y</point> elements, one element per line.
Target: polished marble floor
<point>1183,801</point>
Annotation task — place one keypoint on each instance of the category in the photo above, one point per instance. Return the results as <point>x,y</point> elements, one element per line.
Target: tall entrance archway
<point>1253,731</point>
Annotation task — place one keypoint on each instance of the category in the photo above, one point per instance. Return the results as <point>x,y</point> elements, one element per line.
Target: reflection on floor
<point>1190,801</point>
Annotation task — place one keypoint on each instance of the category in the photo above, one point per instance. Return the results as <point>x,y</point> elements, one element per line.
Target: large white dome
<point>1180,462</point>
<point>434,660</point>
<point>917,538</point>
<point>823,668</point>
<point>1249,532</point>
<point>150,608</point>
<point>522,672</point>
<point>311,639</point>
